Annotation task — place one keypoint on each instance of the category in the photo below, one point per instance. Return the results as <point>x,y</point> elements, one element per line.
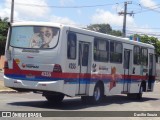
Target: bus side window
<point>71,46</point>
<point>116,52</point>
<point>144,57</point>
<point>137,60</point>
<point>101,50</point>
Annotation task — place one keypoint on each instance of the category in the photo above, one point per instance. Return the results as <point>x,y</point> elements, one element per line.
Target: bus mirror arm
<point>133,70</point>
<point>9,24</point>
<point>8,54</point>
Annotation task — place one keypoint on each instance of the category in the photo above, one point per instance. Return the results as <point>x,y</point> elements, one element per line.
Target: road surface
<point>35,102</point>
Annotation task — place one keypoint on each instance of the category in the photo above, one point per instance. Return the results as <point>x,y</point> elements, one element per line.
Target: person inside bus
<point>43,38</point>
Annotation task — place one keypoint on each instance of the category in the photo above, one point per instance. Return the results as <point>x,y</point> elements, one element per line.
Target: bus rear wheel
<point>97,97</point>
<point>55,98</point>
<point>137,96</point>
<point>98,94</point>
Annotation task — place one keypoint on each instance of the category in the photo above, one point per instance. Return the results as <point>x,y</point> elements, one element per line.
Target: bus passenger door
<point>151,78</point>
<point>127,67</point>
<point>83,63</point>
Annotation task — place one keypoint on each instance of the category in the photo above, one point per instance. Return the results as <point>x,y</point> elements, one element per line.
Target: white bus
<point>58,60</point>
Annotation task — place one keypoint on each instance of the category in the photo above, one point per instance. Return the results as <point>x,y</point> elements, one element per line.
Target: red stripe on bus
<point>16,70</point>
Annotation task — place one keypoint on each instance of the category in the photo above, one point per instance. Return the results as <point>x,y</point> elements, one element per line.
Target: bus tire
<point>55,98</point>
<point>98,94</point>
<point>139,95</point>
<point>85,99</point>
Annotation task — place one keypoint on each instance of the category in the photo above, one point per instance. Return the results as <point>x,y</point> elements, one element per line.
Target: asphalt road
<point>35,102</point>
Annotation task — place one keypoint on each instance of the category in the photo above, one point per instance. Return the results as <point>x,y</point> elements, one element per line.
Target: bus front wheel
<point>137,96</point>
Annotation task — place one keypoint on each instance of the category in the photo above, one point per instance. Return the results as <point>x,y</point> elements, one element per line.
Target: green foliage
<point>104,28</point>
<point>150,40</point>
<point>153,41</point>
<point>3,29</point>
<point>2,47</point>
<point>116,33</point>
<point>3,34</point>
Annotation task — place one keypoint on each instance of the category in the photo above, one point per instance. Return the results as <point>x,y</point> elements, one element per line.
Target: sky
<point>81,13</point>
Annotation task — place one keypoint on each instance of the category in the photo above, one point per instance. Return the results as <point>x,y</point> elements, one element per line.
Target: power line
<point>143,33</point>
<point>98,5</point>
<point>53,6</point>
<point>151,8</point>
<point>129,27</point>
<point>154,35</point>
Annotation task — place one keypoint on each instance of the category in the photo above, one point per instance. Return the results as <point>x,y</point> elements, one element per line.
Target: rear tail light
<point>57,68</point>
<point>6,65</point>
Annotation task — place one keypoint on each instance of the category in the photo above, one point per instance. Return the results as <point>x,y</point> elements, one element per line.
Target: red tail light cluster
<point>57,68</point>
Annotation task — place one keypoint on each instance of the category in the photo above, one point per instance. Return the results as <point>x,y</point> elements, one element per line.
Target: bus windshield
<point>34,36</point>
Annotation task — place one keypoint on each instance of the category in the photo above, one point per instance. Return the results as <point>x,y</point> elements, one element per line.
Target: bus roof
<point>102,35</point>
<point>84,31</point>
<point>37,24</point>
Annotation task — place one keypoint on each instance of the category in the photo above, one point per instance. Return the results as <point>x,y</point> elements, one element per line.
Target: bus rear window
<point>34,37</point>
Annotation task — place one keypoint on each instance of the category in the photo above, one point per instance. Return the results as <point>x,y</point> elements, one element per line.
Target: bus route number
<point>46,74</point>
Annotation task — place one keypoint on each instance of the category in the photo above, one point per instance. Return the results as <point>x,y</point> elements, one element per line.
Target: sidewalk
<point>4,89</point>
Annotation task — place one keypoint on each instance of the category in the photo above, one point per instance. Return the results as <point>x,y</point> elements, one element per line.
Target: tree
<point>153,41</point>
<point>116,32</point>
<point>3,34</point>
<point>104,28</point>
<point>3,28</point>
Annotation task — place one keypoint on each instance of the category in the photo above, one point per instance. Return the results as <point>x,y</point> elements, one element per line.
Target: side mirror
<point>9,24</point>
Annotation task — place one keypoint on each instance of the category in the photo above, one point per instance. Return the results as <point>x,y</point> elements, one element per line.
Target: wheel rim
<point>97,93</point>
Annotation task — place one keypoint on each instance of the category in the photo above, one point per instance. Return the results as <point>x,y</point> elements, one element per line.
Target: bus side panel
<point>69,69</point>
<point>85,55</point>
<point>135,86</point>
<point>117,87</point>
<point>102,72</point>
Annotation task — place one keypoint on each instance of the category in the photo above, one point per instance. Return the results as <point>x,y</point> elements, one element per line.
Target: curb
<point>11,91</point>
<point>8,91</point>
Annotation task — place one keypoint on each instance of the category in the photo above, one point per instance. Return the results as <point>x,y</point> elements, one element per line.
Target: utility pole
<point>125,14</point>
<point>12,11</point>
<point>124,19</point>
